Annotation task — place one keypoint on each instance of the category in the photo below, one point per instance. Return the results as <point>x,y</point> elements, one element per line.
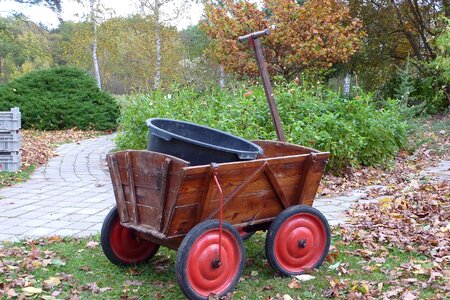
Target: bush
<point>353,130</point>
<point>60,98</point>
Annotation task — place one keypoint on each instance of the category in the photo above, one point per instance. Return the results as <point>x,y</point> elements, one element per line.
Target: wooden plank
<point>280,149</point>
<point>134,214</point>
<point>274,182</point>
<point>183,219</point>
<point>164,187</point>
<point>235,192</point>
<point>313,181</point>
<point>208,183</point>
<point>169,211</point>
<point>118,187</point>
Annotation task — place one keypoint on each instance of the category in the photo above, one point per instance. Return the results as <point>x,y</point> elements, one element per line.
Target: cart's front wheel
<point>199,269</point>
<point>122,245</point>
<point>298,240</point>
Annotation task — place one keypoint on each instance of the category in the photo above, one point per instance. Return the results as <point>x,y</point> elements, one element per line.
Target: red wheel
<point>199,270</point>
<point>122,245</point>
<point>298,239</point>
<point>244,235</point>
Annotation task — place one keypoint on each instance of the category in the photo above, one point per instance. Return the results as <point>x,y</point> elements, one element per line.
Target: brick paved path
<point>69,196</point>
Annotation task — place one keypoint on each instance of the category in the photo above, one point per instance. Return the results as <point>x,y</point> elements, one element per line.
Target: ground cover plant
<point>354,130</point>
<point>59,98</point>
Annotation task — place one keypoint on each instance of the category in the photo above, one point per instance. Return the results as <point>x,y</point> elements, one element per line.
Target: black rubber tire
<point>318,221</point>
<point>192,241</point>
<point>110,224</point>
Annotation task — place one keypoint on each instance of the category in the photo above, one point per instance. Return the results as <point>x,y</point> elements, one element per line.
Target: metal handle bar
<point>253,35</point>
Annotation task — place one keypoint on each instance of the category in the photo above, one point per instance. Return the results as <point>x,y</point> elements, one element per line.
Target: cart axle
<point>216,263</point>
<point>302,244</point>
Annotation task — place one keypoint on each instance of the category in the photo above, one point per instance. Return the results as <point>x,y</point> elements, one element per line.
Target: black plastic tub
<point>197,144</point>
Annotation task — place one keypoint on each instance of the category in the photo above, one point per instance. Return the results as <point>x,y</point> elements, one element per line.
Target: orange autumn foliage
<point>312,35</point>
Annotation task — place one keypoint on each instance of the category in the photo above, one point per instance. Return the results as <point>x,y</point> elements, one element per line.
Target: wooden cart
<point>203,211</point>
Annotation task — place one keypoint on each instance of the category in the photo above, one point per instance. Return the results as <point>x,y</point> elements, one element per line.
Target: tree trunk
<point>347,82</point>
<point>94,46</point>
<point>221,77</point>
<point>157,81</point>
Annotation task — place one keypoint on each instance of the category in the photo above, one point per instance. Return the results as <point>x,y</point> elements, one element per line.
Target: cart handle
<point>253,35</point>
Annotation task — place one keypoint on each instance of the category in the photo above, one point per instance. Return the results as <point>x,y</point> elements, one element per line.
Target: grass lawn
<point>10,178</point>
<point>77,269</point>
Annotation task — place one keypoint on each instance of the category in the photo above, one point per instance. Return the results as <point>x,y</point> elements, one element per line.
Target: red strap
<point>216,173</point>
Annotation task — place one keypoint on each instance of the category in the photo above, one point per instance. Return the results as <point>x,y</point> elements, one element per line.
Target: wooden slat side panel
<point>313,179</point>
<point>252,204</point>
<point>280,149</point>
<point>134,217</point>
<point>118,188</point>
<point>151,215</point>
<point>183,220</point>
<point>155,178</point>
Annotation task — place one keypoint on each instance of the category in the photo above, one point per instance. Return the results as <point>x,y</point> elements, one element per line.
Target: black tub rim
<point>241,154</point>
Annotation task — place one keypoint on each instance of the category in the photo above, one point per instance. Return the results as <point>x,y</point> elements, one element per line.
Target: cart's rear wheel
<point>122,245</point>
<point>199,271</point>
<point>298,240</point>
<point>245,235</point>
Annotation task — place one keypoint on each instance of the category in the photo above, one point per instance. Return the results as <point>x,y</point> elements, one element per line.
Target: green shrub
<point>60,98</point>
<point>353,130</point>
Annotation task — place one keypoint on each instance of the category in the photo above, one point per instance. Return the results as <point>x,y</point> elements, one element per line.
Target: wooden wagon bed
<point>162,197</point>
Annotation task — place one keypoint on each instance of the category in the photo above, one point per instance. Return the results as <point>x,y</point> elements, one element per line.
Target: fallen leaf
<point>303,277</point>
<point>92,244</point>
<point>30,291</point>
<point>58,262</point>
<point>294,284</point>
<point>133,282</point>
<point>408,296</point>
<point>11,293</point>
<point>51,282</point>
<point>334,266</point>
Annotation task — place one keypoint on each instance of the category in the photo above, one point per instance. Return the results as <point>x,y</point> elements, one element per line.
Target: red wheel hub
<point>300,242</point>
<point>205,274</point>
<point>126,244</point>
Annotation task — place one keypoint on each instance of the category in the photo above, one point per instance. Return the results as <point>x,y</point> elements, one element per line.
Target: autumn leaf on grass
<point>304,277</point>
<point>51,282</point>
<point>92,286</point>
<point>30,291</point>
<point>91,244</point>
<point>133,282</point>
<point>294,284</point>
<point>11,293</point>
<point>58,262</point>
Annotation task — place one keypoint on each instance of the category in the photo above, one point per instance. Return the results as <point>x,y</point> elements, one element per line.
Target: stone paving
<point>72,194</point>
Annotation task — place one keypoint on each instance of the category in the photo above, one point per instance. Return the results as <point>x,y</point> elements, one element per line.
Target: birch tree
<point>94,42</point>
<point>163,12</point>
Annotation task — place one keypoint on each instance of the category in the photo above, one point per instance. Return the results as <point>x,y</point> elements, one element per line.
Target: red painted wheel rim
<point>301,228</point>
<point>127,246</point>
<point>202,276</point>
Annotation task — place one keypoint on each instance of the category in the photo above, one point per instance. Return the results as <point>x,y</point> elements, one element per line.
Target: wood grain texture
<point>165,197</point>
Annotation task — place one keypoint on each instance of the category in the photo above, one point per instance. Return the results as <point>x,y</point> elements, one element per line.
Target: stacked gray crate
<point>10,123</point>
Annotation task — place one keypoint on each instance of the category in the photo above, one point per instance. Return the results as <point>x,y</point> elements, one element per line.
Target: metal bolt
<point>302,243</point>
<point>216,263</point>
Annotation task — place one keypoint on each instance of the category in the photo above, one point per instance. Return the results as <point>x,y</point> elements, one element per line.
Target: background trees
<point>307,35</point>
